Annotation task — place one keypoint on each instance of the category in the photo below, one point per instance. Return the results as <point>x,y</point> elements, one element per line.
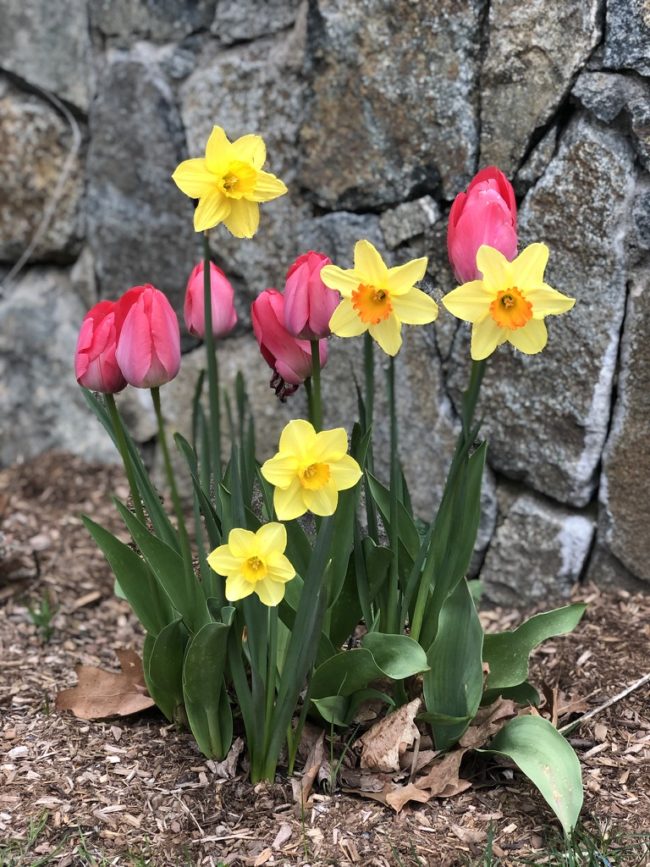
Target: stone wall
<point>376,113</point>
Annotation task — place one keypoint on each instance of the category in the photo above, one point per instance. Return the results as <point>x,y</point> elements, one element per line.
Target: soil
<point>137,791</point>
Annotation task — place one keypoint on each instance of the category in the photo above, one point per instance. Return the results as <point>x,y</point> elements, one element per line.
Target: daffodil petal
<point>415,307</point>
<point>400,279</point>
<point>330,445</point>
<point>212,209</point>
<point>470,302</point>
<point>528,267</point>
<point>267,187</point>
<point>250,149</point>
<point>486,336</point>
<point>297,438</point>
<point>494,267</point>
<point>218,151</point>
<point>323,501</point>
<point>193,178</point>
<point>280,568</point>
<point>531,338</point>
<point>345,473</point>
<point>271,537</point>
<point>369,265</point>
<point>242,543</point>
<point>243,219</point>
<point>270,592</point>
<point>337,278</point>
<point>280,470</point>
<point>288,502</point>
<point>222,560</point>
<point>388,334</point>
<point>346,322</point>
<point>547,301</point>
<point>237,587</point>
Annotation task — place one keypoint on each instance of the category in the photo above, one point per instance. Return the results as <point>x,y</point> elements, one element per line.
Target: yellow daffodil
<point>309,470</point>
<point>509,303</point>
<point>254,563</point>
<point>378,299</point>
<point>229,183</point>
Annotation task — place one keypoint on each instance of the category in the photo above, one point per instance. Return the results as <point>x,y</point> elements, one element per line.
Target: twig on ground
<point>569,727</point>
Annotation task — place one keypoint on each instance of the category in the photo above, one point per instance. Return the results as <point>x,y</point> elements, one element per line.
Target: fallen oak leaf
<point>100,694</point>
<point>385,742</point>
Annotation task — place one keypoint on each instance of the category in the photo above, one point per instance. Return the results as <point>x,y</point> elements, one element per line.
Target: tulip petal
<point>222,561</point>
<point>242,543</point>
<point>346,322</point>
<point>528,267</point>
<point>486,336</point>
<point>330,445</point>
<point>530,339</point>
<point>401,278</point>
<point>267,187</point>
<point>237,587</point>
<point>337,278</point>
<point>345,473</point>
<point>288,502</point>
<point>297,438</point>
<point>271,537</point>
<point>388,334</point>
<point>470,302</point>
<point>280,470</point>
<point>212,209</point>
<point>415,307</point>
<point>270,592</point>
<point>193,178</point>
<point>250,149</point>
<point>322,502</point>
<point>219,151</point>
<point>134,350</point>
<point>279,567</point>
<point>547,301</point>
<point>243,219</point>
<point>494,267</point>
<point>369,265</point>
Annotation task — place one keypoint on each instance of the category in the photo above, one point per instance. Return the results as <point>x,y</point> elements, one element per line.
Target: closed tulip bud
<point>149,342</point>
<point>308,303</point>
<point>288,357</point>
<point>485,214</point>
<point>94,361</point>
<point>224,316</point>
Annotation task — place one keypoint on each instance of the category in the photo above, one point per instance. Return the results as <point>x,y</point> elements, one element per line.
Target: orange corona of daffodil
<point>254,563</point>
<point>378,299</point>
<point>509,303</point>
<point>229,183</point>
<point>309,470</point>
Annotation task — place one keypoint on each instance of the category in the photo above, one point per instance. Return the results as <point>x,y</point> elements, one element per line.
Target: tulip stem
<point>392,613</point>
<point>316,402</point>
<point>120,439</point>
<point>213,368</point>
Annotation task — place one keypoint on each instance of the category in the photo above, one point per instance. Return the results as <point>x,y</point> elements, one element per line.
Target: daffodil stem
<point>271,668</point>
<point>392,613</point>
<point>213,368</point>
<point>369,404</point>
<point>120,439</point>
<point>317,405</point>
<point>470,396</point>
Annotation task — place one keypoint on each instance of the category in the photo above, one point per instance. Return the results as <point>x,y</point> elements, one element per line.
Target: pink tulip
<point>149,342</point>
<point>94,362</point>
<point>308,303</point>
<point>485,214</point>
<point>224,316</point>
<point>289,358</point>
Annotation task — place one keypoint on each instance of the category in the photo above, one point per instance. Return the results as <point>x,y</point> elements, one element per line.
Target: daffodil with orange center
<point>309,470</point>
<point>254,563</point>
<point>510,302</point>
<point>229,183</point>
<point>378,299</point>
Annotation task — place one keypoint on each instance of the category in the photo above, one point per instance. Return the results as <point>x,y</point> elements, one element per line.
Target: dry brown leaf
<point>383,743</point>
<point>284,834</point>
<point>100,694</point>
<point>264,856</point>
<point>393,795</point>
<point>469,835</point>
<point>302,788</point>
<point>487,722</point>
<point>227,768</point>
<point>443,775</point>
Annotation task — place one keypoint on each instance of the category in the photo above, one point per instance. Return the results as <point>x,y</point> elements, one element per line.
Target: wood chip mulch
<point>137,790</point>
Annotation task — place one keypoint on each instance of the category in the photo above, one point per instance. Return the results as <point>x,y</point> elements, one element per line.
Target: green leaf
<point>340,710</point>
<point>547,759</point>
<point>164,672</point>
<point>204,689</point>
<point>408,533</point>
<point>136,581</point>
<point>507,652</point>
<point>524,694</point>
<point>454,683</point>
<point>398,656</point>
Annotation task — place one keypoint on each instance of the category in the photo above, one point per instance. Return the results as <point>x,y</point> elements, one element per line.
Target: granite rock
<point>159,20</point>
<point>409,220</point>
<point>627,35</point>
<point>243,20</point>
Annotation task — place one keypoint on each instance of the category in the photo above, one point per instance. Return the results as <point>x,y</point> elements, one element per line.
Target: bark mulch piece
<point>137,791</point>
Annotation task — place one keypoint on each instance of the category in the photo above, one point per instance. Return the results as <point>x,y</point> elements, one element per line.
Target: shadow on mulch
<point>137,791</point>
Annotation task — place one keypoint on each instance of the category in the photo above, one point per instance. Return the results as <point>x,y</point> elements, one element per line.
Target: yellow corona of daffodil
<point>309,470</point>
<point>378,299</point>
<point>254,563</point>
<point>229,183</point>
<point>509,303</point>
